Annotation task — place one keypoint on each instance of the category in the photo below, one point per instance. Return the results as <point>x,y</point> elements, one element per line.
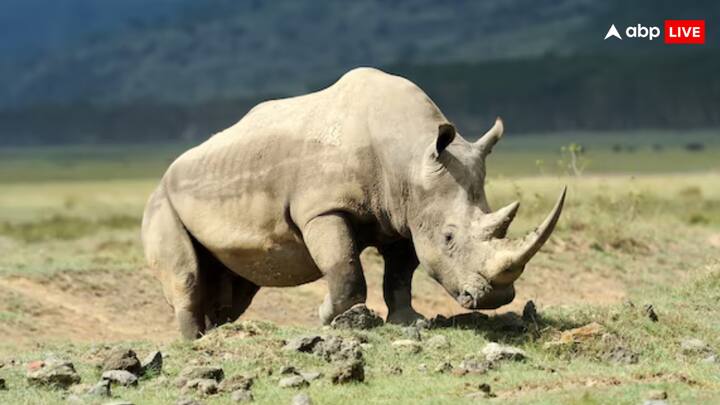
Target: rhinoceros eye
<point>449,237</point>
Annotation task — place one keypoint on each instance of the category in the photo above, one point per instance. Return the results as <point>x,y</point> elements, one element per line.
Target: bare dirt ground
<point>128,305</point>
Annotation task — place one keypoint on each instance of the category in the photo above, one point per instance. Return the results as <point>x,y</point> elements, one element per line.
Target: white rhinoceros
<point>300,186</point>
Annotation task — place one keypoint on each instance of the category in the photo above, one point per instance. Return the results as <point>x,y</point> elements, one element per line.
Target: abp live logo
<point>676,32</point>
<point>684,31</point>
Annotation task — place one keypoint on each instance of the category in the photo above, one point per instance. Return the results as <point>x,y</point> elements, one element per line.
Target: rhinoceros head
<point>458,239</point>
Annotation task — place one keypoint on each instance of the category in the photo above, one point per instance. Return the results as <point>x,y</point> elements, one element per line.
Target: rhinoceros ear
<point>446,134</point>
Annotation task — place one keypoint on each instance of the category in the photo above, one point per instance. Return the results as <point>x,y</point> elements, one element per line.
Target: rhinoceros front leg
<point>332,245</point>
<point>400,264</point>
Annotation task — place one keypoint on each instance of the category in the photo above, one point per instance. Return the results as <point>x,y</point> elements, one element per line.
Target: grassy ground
<point>642,226</point>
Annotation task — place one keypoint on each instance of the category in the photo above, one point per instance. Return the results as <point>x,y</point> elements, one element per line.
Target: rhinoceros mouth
<point>491,299</point>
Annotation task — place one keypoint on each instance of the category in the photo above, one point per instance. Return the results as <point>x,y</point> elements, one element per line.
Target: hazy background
<point>139,71</point>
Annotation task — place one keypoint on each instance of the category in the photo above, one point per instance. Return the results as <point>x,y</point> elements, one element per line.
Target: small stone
<point>152,363</point>
<point>205,386</point>
<point>301,399</point>
<point>122,359</point>
<point>438,342</point>
<point>357,317</point>
<point>188,401</point>
<point>294,381</point>
<point>410,345</point>
<point>494,352</point>
<point>529,313</point>
<point>412,333</point>
<point>471,365</point>
<point>288,370</point>
<point>694,346</point>
<point>120,377</point>
<point>236,382</point>
<point>101,389</point>
<point>444,367</point>
<point>199,372</point>
<point>349,372</point>
<point>484,391</point>
<point>422,367</point>
<point>242,396</point>
<point>3,384</point>
<point>310,376</point>
<point>52,373</point>
<point>657,394</point>
<point>337,349</point>
<point>304,344</point>
<point>650,312</point>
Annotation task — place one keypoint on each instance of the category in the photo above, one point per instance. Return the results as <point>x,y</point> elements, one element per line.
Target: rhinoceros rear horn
<point>487,141</point>
<point>509,264</point>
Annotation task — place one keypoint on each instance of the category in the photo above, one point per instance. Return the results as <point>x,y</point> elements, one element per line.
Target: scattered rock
<point>423,368</point>
<point>484,391</point>
<point>152,363</point>
<point>52,373</point>
<point>242,396</point>
<point>304,344</point>
<point>438,342</point>
<point>188,401</point>
<point>120,377</point>
<point>205,386</point>
<point>582,333</point>
<point>357,317</point>
<point>494,352</point>
<point>237,382</point>
<point>621,354</point>
<point>444,367</point>
<point>285,370</point>
<point>349,372</point>
<point>199,372</point>
<point>101,389</point>
<point>657,394</point>
<point>121,358</point>
<point>406,344</point>
<point>529,313</point>
<point>710,359</point>
<point>471,365</point>
<point>412,333</point>
<point>301,399</point>
<point>650,312</point>
<point>310,376</point>
<point>694,346</point>
<point>468,320</point>
<point>294,381</point>
<point>337,349</point>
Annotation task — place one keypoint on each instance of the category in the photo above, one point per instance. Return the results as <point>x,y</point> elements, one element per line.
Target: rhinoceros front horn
<point>509,263</point>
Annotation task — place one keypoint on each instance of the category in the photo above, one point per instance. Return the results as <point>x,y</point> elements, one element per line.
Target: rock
<point>294,381</point>
<point>304,344</point>
<point>199,372</point>
<point>471,365</point>
<point>52,373</point>
<point>122,359</point>
<point>337,349</point>
<point>289,370</point>
<point>349,372</point>
<point>242,396</point>
<point>3,384</point>
<point>101,389</point>
<point>152,363</point>
<point>444,367</point>
<point>650,312</point>
<point>236,383</point>
<point>529,313</point>
<point>301,399</point>
<point>188,401</point>
<point>310,376</point>
<point>205,386</point>
<point>120,377</point>
<point>406,344</point>
<point>412,333</point>
<point>621,354</point>
<point>694,346</point>
<point>422,367</point>
<point>494,352</point>
<point>438,342</point>
<point>484,391</point>
<point>357,317</point>
<point>656,394</point>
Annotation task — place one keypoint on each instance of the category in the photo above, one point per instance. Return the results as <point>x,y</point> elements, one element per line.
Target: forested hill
<point>95,71</point>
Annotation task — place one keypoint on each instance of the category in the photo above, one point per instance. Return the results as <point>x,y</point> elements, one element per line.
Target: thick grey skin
<point>300,186</point>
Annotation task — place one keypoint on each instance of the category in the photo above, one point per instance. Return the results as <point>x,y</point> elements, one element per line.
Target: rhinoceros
<point>299,187</point>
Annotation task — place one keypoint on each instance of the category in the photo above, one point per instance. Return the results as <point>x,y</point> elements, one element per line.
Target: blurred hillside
<point>101,71</point>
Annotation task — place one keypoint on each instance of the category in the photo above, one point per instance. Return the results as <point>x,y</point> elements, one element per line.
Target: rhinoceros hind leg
<point>332,245</point>
<point>400,264</point>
